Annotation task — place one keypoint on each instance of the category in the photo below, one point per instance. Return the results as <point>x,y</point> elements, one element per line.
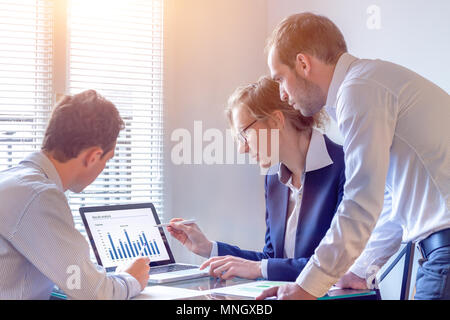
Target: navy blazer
<point>322,192</point>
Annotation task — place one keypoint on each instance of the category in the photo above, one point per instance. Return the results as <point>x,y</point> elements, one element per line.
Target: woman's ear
<point>277,120</point>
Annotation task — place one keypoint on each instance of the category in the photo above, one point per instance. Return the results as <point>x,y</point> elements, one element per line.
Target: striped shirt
<point>39,245</point>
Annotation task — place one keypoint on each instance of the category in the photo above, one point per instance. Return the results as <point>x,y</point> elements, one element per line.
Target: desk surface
<point>208,283</point>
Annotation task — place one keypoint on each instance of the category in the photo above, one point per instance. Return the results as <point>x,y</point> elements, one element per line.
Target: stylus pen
<point>180,222</point>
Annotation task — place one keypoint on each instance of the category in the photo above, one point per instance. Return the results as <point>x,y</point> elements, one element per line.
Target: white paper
<point>166,293</point>
<point>250,290</point>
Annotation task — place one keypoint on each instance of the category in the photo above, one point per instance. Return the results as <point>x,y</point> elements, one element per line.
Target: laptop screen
<point>119,233</point>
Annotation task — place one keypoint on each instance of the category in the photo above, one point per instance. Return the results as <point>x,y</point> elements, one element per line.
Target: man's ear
<point>303,64</point>
<point>91,156</point>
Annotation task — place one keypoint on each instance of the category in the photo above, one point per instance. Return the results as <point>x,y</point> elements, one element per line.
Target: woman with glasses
<point>301,197</point>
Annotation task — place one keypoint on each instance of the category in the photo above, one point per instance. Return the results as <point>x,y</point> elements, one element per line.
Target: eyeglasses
<point>242,135</point>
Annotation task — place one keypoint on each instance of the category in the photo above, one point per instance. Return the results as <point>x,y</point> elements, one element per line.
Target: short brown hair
<point>262,98</point>
<point>307,33</point>
<point>82,121</point>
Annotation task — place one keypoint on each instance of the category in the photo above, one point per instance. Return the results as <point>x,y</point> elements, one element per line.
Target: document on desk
<point>166,293</point>
<point>249,289</point>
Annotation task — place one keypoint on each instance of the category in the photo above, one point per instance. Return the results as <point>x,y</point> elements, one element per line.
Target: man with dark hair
<point>81,121</point>
<point>39,245</point>
<point>397,157</point>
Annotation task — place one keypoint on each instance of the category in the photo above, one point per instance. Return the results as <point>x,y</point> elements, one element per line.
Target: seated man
<point>301,199</point>
<point>39,245</point>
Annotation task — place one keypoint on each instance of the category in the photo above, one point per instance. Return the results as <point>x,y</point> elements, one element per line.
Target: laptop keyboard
<point>170,268</point>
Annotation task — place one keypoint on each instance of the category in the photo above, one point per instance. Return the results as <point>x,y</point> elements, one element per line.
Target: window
<point>25,76</point>
<point>114,47</point>
<point>118,52</point>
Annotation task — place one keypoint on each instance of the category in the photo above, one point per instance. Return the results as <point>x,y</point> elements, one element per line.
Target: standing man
<point>395,126</point>
<point>39,245</point>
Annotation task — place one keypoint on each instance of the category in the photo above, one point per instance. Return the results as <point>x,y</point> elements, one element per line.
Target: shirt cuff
<point>214,250</point>
<point>315,281</point>
<point>133,286</point>
<point>264,263</point>
<point>359,269</point>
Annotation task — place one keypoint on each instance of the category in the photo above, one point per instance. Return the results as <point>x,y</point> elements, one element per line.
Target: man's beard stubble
<point>309,98</point>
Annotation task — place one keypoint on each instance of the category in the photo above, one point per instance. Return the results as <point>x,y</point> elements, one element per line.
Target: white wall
<point>211,48</point>
<point>413,33</point>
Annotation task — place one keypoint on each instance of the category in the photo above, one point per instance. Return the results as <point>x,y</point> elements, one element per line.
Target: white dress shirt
<point>317,157</point>
<point>295,201</point>
<point>39,245</point>
<point>396,133</point>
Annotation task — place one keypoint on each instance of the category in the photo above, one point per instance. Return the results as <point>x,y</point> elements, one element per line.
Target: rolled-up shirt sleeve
<point>47,237</point>
<point>366,114</point>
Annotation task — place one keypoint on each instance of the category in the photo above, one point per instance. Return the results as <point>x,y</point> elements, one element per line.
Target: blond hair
<point>262,98</point>
<point>307,33</point>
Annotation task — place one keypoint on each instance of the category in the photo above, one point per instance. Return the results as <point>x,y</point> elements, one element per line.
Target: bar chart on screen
<point>123,236</point>
<point>132,248</point>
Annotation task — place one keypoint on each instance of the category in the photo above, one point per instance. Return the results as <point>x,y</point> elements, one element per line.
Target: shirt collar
<point>317,157</point>
<point>43,162</point>
<point>339,74</point>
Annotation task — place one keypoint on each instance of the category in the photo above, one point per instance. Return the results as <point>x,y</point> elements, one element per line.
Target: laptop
<point>119,233</point>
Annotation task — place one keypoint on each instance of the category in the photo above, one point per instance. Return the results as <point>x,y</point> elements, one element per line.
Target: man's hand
<point>139,269</point>
<point>287,292</point>
<point>352,281</point>
<point>228,267</point>
<point>191,237</point>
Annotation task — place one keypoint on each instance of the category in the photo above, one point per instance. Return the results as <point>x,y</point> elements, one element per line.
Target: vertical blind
<point>116,50</point>
<point>25,76</point>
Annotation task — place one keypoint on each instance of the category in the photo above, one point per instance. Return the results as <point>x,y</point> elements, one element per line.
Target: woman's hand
<point>191,237</point>
<point>228,267</point>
